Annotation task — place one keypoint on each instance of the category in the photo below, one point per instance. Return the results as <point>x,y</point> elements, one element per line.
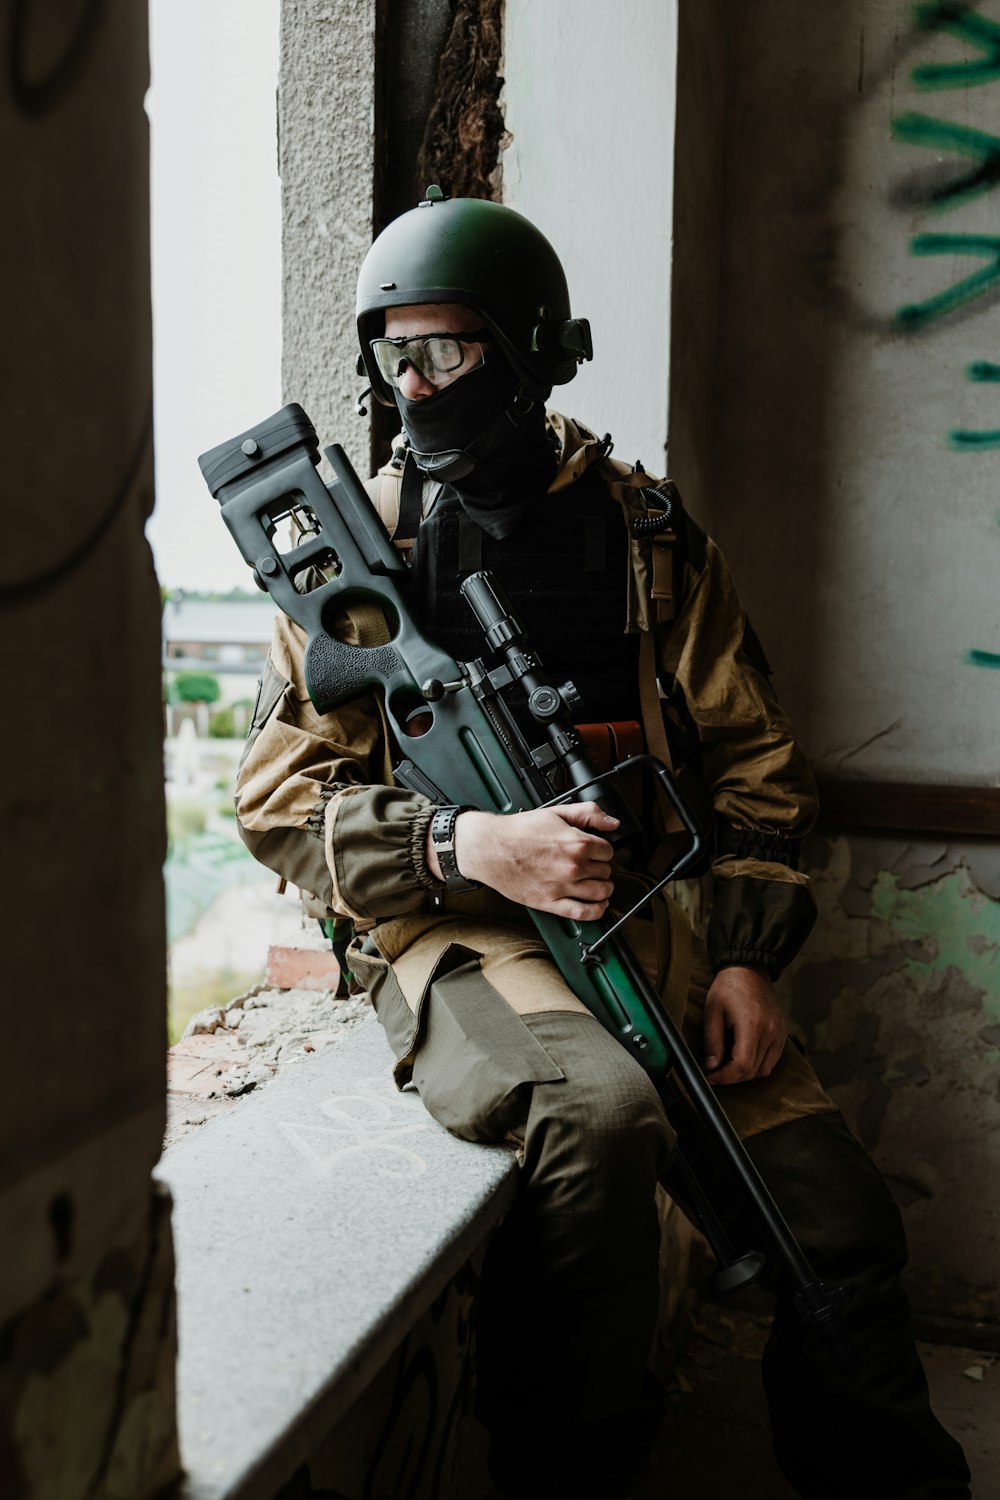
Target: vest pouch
<point>610,743</point>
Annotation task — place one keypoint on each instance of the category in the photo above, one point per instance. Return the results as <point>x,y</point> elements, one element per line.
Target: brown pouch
<point>608,744</point>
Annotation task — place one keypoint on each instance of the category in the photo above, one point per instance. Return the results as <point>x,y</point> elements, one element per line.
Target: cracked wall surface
<point>86,1287</point>
<point>897,997</point>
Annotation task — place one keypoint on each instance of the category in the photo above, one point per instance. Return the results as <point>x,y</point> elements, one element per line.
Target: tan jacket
<point>316,803</point>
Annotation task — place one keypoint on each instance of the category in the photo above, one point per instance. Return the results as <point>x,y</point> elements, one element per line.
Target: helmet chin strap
<point>457,463</point>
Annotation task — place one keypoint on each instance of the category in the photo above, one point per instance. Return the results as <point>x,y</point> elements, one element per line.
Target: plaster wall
<point>86,1285</point>
<point>856,442</point>
<point>589,109</point>
<point>326,123</point>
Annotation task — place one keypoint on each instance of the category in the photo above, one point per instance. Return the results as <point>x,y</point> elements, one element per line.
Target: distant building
<point>216,635</point>
<point>227,637</point>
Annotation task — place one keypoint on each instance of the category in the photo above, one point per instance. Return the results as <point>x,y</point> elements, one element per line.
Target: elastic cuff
<point>760,922</point>
<point>423,874</point>
<point>749,958</point>
<point>754,843</point>
<point>316,821</point>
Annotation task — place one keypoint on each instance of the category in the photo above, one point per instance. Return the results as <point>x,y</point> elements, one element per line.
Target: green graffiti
<point>922,130</point>
<point>960,438</point>
<point>973,442</point>
<point>960,21</point>
<point>960,923</point>
<point>983,659</point>
<point>918,314</point>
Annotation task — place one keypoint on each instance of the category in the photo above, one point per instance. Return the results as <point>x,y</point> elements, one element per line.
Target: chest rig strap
<point>657,526</point>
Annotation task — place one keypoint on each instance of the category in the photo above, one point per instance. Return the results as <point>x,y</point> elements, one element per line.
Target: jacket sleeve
<point>314,797</point>
<point>762,791</point>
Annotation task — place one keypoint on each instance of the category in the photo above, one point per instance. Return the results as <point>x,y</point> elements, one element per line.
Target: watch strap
<point>443,839</point>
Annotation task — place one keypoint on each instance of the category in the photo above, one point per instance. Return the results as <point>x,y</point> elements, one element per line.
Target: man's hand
<point>744,1029</point>
<point>545,858</point>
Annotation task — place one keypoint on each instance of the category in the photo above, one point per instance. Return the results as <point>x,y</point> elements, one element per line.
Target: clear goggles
<point>435,356</point>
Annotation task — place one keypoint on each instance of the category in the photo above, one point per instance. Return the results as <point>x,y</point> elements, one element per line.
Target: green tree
<point>195,687</point>
<point>221,725</point>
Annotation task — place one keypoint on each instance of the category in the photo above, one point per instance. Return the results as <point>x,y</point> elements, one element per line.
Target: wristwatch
<point>443,838</point>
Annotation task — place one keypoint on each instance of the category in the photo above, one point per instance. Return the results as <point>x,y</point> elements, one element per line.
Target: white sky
<point>216,232</point>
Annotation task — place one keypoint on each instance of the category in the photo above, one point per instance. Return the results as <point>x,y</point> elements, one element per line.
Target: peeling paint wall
<point>897,997</point>
<point>86,1286</point>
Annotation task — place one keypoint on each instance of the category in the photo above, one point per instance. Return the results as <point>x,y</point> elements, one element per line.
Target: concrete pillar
<point>86,1285</point>
<point>326,114</point>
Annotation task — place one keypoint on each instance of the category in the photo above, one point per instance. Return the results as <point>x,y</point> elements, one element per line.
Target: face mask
<point>487,442</point>
<point>454,430</point>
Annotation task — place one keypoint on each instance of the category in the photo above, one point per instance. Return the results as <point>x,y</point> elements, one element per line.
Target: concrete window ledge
<point>323,1231</point>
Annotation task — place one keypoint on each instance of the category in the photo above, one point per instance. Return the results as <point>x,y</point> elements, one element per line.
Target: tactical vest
<point>563,568</point>
<point>648,512</point>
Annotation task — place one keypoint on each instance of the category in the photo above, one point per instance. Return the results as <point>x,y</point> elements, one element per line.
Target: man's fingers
<point>743,1063</point>
<point>586,815</point>
<point>742,1067</point>
<point>579,911</point>
<point>714,1037</point>
<point>772,1057</point>
<point>593,869</point>
<point>591,890</point>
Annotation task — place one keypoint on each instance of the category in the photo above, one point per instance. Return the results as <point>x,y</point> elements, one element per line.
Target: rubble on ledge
<point>227,1052</point>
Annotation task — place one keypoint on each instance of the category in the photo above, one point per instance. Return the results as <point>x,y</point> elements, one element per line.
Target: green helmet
<point>488,257</point>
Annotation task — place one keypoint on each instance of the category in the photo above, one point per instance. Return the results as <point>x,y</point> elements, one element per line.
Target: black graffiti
<point>36,96</point>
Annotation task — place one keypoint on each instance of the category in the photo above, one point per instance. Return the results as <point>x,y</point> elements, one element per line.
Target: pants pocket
<point>475,1060</point>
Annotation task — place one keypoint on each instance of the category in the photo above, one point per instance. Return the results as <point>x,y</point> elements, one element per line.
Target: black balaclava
<point>487,440</point>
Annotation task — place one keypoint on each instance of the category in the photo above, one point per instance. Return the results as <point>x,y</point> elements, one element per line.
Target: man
<point>465,326</point>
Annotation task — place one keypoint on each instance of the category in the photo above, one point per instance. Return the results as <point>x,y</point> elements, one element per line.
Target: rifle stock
<point>472,750</point>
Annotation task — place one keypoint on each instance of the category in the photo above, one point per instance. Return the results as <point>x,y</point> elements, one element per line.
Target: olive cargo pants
<point>501,1050</point>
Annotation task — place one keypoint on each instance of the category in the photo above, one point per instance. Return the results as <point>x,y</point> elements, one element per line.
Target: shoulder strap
<point>653,508</point>
<point>398,492</point>
<point>652,513</point>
